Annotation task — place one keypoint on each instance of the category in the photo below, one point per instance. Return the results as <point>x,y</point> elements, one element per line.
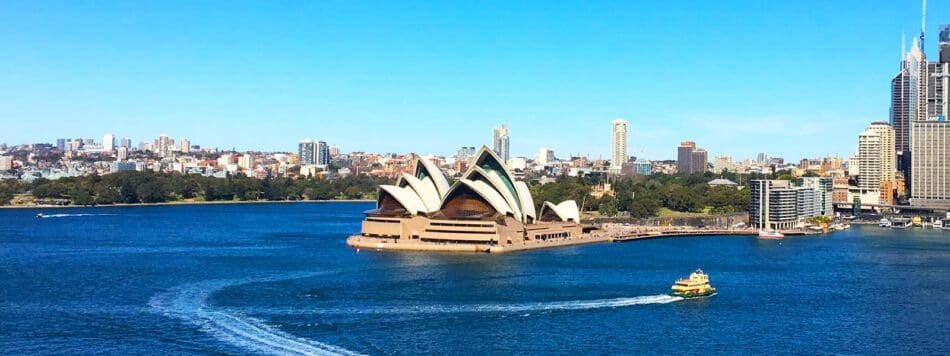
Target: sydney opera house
<point>486,210</point>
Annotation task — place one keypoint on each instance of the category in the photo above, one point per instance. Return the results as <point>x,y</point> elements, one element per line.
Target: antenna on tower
<point>923,24</point>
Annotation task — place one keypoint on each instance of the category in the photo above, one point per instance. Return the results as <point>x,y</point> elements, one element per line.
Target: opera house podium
<point>486,210</point>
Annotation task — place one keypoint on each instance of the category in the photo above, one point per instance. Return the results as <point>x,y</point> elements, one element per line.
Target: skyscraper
<point>684,155</point>
<point>887,156</point>
<point>125,142</point>
<point>869,161</point>
<point>698,161</point>
<point>908,96</point>
<point>322,154</point>
<point>61,144</point>
<point>944,45</point>
<point>690,159</point>
<point>930,168</point>
<point>306,150</point>
<point>500,142</point>
<point>618,145</point>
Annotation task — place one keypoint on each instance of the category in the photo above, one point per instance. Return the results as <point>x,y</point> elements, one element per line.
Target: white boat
<point>884,223</point>
<point>938,224</point>
<point>900,223</point>
<point>770,235</point>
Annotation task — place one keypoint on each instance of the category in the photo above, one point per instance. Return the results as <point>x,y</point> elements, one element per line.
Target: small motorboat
<point>770,235</point>
<point>40,216</point>
<point>884,223</point>
<point>938,224</point>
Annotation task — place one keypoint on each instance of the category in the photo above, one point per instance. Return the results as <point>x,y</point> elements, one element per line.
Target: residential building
<point>698,161</point>
<point>122,153</point>
<point>618,145</point>
<point>322,154</point>
<point>778,204</point>
<point>888,163</point>
<point>869,160</point>
<point>185,146</point>
<point>723,163</point>
<point>305,150</point>
<point>930,167</point>
<point>500,142</point>
<point>824,189</point>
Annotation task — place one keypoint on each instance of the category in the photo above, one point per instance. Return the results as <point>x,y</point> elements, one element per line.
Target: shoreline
<point>188,203</point>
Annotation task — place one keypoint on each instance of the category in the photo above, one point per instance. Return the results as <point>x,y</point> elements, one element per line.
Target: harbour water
<point>278,278</point>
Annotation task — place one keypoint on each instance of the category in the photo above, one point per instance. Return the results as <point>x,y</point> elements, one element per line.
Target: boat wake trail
<point>530,307</point>
<point>45,216</point>
<point>189,303</point>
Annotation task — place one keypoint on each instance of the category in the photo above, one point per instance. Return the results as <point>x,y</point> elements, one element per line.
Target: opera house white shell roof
<point>485,189</point>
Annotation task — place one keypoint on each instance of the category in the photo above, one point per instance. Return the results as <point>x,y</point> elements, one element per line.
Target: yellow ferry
<point>696,286</point>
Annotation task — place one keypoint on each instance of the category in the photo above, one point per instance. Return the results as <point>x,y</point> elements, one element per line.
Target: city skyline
<point>187,85</point>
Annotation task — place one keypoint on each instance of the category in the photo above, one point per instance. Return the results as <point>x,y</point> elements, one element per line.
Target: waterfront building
<point>869,162</point>
<point>778,204</point>
<point>930,167</point>
<point>618,145</point>
<point>108,143</point>
<point>824,188</point>
<point>305,150</point>
<point>485,210</point>
<point>500,142</point>
<point>887,160</point>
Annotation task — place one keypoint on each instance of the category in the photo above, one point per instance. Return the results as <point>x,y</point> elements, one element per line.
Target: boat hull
<point>694,295</point>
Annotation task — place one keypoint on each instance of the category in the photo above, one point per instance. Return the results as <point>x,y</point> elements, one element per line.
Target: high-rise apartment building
<point>500,142</point>
<point>618,145</point>
<point>886,136</point>
<point>778,204</point>
<point>930,167</point>
<point>869,161</point>
<point>322,154</point>
<point>305,151</point>
<point>164,146</point>
<point>185,146</point>
<point>121,153</point>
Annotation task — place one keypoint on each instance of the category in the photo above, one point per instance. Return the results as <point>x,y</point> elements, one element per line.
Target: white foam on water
<point>522,309</point>
<point>45,216</point>
<point>189,303</point>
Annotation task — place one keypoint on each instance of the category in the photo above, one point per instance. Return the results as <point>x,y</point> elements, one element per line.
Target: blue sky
<point>791,78</point>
